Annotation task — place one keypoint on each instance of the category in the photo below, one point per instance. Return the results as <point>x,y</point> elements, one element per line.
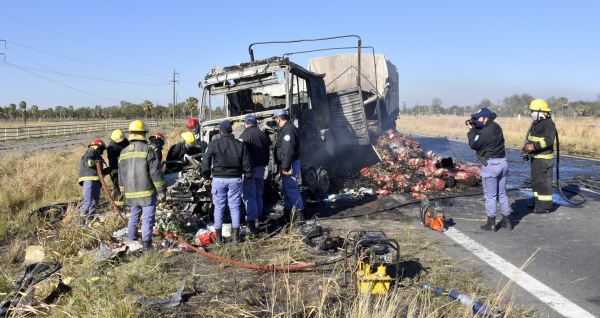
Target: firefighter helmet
<point>138,126</point>
<point>117,135</point>
<point>188,138</point>
<point>160,137</point>
<point>192,124</point>
<point>539,105</point>
<point>99,143</point>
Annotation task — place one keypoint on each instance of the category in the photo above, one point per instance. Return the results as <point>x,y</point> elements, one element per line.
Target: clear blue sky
<point>458,51</point>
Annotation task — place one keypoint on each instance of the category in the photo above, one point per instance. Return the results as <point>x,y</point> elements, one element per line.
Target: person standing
<point>157,142</point>
<point>142,183</point>
<point>88,177</point>
<point>287,150</point>
<point>258,146</point>
<point>540,147</point>
<point>487,139</point>
<point>177,152</point>
<point>228,159</point>
<point>113,151</point>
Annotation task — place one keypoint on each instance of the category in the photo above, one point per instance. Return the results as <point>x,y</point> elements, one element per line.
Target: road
<point>566,242</point>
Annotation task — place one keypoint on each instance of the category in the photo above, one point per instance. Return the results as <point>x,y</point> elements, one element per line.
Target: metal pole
<point>174,81</point>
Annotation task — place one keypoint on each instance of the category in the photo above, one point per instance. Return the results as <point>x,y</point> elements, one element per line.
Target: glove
<point>161,197</point>
<point>106,171</point>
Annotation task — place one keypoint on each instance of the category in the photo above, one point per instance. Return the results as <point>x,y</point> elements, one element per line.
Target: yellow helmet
<point>189,138</point>
<point>539,105</point>
<point>117,135</point>
<point>138,126</point>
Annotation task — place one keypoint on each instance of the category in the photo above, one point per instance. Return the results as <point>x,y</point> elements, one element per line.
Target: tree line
<point>125,111</point>
<point>510,106</point>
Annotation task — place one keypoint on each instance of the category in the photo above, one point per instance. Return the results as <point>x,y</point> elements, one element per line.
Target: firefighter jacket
<point>158,151</point>
<point>258,145</point>
<point>488,141</point>
<point>87,166</point>
<point>542,135</point>
<point>177,153</point>
<point>288,145</point>
<point>113,151</point>
<point>139,174</point>
<point>229,158</point>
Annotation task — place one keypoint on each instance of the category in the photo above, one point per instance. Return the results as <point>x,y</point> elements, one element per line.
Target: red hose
<point>99,168</point>
<point>245,265</point>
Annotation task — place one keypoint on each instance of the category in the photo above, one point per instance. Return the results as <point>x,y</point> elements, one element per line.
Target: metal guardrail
<point>44,131</point>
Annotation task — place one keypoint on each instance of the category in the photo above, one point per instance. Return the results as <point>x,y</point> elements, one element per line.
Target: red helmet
<point>160,137</point>
<point>98,143</point>
<point>192,124</point>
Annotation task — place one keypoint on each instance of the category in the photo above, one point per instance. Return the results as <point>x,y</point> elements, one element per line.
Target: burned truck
<point>332,123</point>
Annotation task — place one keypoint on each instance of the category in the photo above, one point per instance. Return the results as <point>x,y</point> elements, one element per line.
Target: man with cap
<point>113,151</point>
<point>88,177</point>
<point>287,151</point>
<point>177,152</point>
<point>487,139</point>
<point>258,146</point>
<point>142,183</point>
<point>229,161</point>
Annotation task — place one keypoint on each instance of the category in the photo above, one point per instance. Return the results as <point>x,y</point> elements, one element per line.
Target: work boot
<point>219,239</point>
<point>490,225</point>
<point>287,215</point>
<point>146,246</point>
<point>540,211</point>
<point>506,222</point>
<point>251,225</point>
<point>235,233</point>
<point>299,216</point>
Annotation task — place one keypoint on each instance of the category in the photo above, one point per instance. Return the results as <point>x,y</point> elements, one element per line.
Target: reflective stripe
<point>120,202</point>
<point>134,154</point>
<point>115,171</point>
<point>141,194</point>
<point>538,156</point>
<point>541,140</point>
<point>535,194</point>
<point>92,178</point>
<point>122,189</point>
<point>545,197</point>
<point>160,184</point>
<point>90,164</point>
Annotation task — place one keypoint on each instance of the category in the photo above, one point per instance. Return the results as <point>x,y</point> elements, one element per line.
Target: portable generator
<point>432,216</point>
<point>373,253</point>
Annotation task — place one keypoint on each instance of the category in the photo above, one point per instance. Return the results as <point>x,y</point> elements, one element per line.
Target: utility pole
<point>174,81</point>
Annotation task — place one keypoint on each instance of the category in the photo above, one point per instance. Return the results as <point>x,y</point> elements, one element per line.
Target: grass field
<point>577,135</point>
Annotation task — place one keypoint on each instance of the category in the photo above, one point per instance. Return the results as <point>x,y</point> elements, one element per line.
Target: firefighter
<point>287,151</point>
<point>231,166</point>
<point>487,139</point>
<point>142,182</point>
<point>88,177</point>
<point>540,147</point>
<point>194,127</point>
<point>177,152</point>
<point>258,146</point>
<point>157,142</point>
<point>113,151</point>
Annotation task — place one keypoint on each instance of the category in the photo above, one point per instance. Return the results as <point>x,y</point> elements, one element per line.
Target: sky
<point>87,53</point>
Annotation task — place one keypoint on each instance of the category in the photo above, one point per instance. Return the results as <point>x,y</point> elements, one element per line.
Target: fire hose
<point>266,268</point>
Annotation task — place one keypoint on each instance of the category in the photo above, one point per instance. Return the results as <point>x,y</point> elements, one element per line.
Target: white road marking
<point>544,293</point>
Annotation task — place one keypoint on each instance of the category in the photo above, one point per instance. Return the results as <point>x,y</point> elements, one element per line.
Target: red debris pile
<point>405,167</point>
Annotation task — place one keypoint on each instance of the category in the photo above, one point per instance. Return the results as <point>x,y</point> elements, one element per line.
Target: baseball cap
<point>250,119</point>
<point>484,112</point>
<point>224,125</point>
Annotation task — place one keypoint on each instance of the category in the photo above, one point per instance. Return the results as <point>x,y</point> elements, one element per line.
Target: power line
<point>76,59</point>
<point>72,78</point>
<point>68,37</point>
<point>73,75</point>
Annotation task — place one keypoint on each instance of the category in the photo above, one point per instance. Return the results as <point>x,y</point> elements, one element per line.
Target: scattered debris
<point>33,254</point>
<point>163,303</point>
<point>24,290</point>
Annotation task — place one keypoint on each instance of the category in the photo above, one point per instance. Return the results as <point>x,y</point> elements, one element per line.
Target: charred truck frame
<point>330,122</point>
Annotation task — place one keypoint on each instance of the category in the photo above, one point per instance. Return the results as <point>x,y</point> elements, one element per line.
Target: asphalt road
<point>567,240</point>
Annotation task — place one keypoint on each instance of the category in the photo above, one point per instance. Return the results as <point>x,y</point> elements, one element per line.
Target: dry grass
<point>576,134</point>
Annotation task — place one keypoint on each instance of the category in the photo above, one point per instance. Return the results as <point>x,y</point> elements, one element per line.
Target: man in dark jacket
<point>177,152</point>
<point>88,176</point>
<point>258,145</point>
<point>142,183</point>
<point>157,142</point>
<point>539,144</point>
<point>113,151</point>
<point>230,160</point>
<point>488,140</point>
<point>287,150</point>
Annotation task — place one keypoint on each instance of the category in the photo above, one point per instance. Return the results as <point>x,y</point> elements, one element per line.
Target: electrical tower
<point>174,81</point>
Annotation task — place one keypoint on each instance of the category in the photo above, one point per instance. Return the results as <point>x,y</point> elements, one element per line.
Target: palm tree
<point>23,106</point>
<point>12,111</point>
<point>34,110</point>
<point>191,105</point>
<point>147,106</point>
